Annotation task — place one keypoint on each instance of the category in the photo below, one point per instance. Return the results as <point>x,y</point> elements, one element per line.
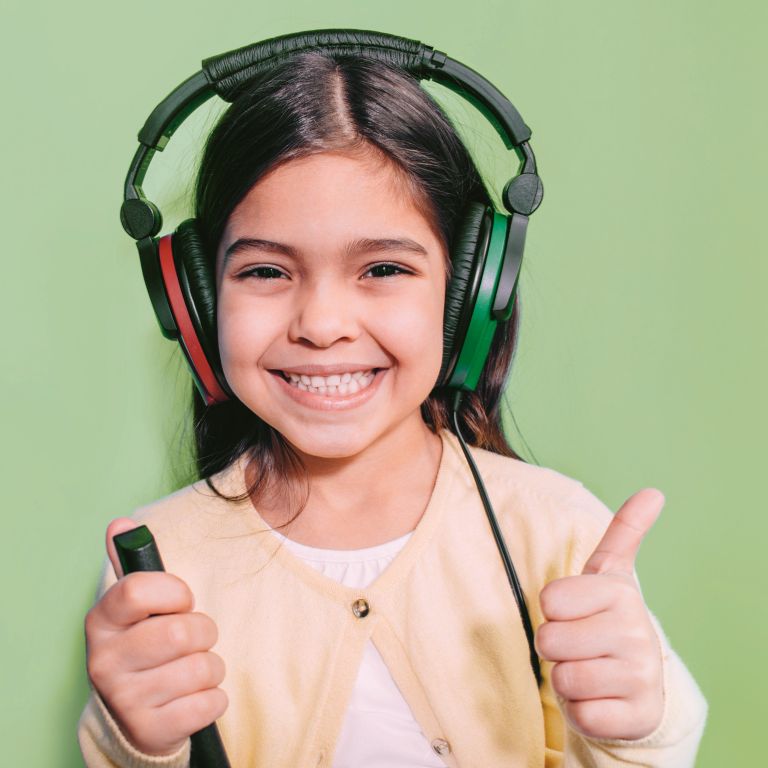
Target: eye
<point>261,273</point>
<point>387,269</point>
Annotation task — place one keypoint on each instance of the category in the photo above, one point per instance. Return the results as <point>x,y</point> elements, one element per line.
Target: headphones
<point>488,244</point>
<point>486,254</point>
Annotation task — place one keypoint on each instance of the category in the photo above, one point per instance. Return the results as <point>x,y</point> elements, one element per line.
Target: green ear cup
<point>468,327</point>
<point>464,261</point>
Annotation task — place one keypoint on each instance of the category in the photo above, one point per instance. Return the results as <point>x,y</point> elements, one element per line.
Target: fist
<point>148,656</point>
<point>608,666</point>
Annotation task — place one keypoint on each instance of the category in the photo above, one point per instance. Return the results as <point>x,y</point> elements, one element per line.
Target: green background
<point>642,358</point>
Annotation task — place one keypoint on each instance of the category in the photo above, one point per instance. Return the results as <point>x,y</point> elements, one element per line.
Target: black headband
<point>228,73</point>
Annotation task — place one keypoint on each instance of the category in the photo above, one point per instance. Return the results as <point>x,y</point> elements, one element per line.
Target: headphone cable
<point>508,567</point>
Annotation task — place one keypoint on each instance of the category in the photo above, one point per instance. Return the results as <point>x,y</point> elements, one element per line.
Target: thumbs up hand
<point>608,670</point>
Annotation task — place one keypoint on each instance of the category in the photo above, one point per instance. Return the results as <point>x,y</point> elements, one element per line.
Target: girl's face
<point>326,268</point>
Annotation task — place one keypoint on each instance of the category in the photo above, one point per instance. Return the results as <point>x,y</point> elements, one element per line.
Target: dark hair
<point>317,102</point>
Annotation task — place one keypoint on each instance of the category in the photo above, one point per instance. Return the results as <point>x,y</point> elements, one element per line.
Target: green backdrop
<point>642,358</point>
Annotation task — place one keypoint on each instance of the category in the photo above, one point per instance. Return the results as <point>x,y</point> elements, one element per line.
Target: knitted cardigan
<point>442,616</point>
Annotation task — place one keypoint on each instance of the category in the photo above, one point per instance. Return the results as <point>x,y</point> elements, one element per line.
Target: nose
<point>324,313</point>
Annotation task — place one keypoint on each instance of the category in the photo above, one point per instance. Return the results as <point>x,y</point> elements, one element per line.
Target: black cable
<point>508,567</point>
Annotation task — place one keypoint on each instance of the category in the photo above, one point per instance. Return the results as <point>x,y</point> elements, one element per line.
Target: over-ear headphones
<point>488,245</point>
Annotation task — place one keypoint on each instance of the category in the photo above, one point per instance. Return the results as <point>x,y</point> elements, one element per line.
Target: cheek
<point>242,333</point>
<point>414,335</point>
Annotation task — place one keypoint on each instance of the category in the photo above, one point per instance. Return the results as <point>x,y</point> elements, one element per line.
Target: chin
<point>332,443</point>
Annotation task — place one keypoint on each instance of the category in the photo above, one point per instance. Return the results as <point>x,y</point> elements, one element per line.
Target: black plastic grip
<point>137,551</point>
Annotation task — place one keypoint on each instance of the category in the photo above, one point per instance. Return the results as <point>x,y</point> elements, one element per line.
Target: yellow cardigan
<point>442,616</point>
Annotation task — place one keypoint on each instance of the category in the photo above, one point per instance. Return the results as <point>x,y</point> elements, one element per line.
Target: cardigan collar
<point>451,461</point>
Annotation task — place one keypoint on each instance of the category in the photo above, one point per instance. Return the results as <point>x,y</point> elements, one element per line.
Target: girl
<point>335,551</point>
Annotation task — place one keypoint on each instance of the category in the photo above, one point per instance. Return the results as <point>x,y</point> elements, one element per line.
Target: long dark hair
<point>316,102</point>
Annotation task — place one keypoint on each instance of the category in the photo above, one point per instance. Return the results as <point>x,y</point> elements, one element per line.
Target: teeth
<point>344,384</point>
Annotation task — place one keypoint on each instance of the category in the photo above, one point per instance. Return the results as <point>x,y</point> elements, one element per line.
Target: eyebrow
<point>360,245</point>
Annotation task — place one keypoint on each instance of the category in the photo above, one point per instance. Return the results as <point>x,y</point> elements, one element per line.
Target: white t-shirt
<point>379,730</point>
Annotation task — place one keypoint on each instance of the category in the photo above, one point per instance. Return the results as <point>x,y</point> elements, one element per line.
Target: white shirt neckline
<point>321,554</point>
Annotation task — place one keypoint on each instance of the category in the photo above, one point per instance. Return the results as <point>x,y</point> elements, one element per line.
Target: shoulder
<point>510,474</point>
<point>556,513</point>
<point>183,521</point>
<point>552,488</point>
<point>199,533</point>
<point>178,506</point>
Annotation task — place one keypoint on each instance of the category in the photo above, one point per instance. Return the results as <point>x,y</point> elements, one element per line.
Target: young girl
<point>335,551</point>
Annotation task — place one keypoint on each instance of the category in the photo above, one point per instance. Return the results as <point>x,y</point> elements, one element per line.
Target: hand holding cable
<point>149,656</point>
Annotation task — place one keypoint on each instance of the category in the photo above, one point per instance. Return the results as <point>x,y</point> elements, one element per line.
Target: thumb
<point>117,526</point>
<point>621,541</point>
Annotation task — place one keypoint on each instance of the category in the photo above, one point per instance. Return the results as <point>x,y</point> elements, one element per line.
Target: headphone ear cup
<point>191,260</point>
<point>197,281</point>
<point>467,258</point>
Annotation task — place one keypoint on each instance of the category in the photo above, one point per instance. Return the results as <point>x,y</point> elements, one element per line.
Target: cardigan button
<point>441,746</point>
<point>360,608</point>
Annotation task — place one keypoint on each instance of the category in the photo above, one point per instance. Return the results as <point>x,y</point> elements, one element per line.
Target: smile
<point>329,393</point>
<point>342,384</point>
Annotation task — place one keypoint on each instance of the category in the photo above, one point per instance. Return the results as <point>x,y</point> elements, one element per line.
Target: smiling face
<point>328,267</point>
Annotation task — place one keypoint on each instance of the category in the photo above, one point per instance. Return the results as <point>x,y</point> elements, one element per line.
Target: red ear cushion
<point>187,336</point>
